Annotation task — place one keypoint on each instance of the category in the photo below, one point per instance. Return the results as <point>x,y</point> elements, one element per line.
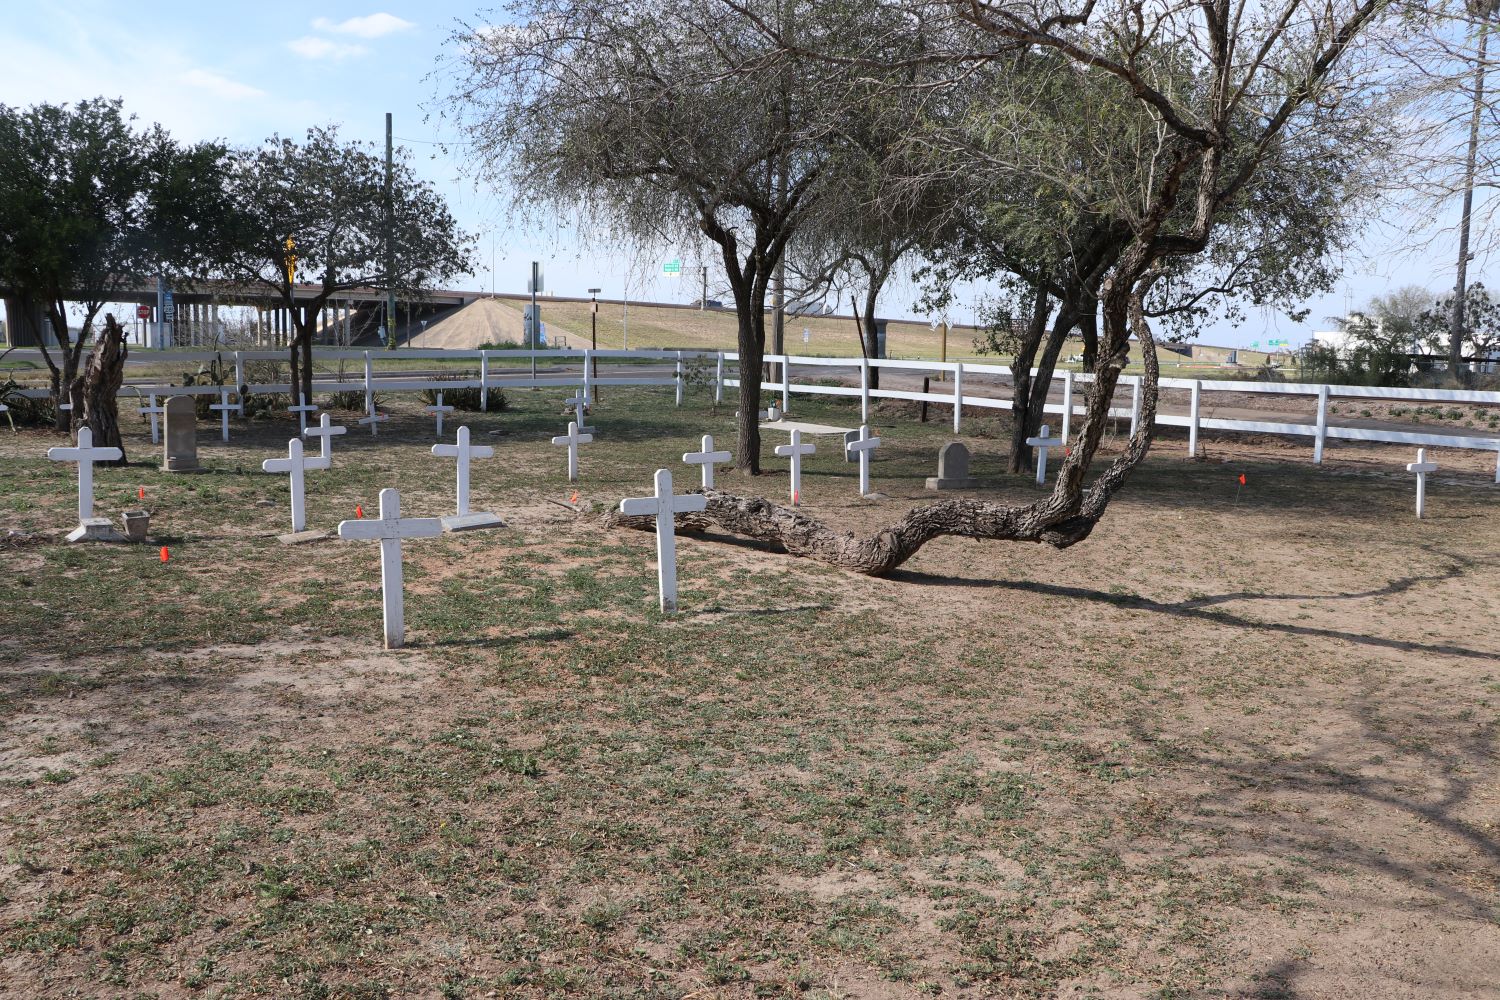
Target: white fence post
<point>1322,425</point>
<point>1135,403</point>
<point>239,372</point>
<point>1067,413</point>
<point>1193,420</point>
<point>786,384</point>
<point>369,387</point>
<point>864,390</point>
<point>719,379</point>
<point>679,378</point>
<point>588,376</point>
<point>958,396</point>
<point>484,382</point>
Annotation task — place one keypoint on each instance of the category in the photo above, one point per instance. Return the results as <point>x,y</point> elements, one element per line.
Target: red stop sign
<point>143,312</point>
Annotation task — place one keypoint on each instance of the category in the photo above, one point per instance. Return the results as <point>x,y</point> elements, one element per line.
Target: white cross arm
<point>1421,467</point>
<point>406,527</point>
<point>1045,442</point>
<point>325,430</point>
<point>866,444</point>
<point>65,454</point>
<point>285,464</point>
<point>655,506</point>
<point>706,457</point>
<point>565,439</point>
<point>787,450</point>
<point>474,450</point>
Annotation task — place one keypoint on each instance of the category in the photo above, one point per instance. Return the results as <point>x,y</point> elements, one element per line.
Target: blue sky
<point>242,71</point>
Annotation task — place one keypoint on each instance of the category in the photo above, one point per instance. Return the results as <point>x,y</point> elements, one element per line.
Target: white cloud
<point>369,26</point>
<point>221,86</point>
<point>312,47</point>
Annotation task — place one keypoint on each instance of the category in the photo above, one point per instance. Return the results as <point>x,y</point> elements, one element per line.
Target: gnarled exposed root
<point>888,548</point>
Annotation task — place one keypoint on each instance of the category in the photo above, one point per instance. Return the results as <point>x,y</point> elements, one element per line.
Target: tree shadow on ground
<point>1203,608</point>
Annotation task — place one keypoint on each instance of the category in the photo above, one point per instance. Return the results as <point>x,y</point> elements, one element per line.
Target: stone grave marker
<point>180,452</point>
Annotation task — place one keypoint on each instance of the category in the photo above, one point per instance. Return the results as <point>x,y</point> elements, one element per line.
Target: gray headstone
<point>953,461</point>
<point>181,437</point>
<point>850,437</point>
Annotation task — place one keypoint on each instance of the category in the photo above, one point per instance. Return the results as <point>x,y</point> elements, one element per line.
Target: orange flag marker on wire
<point>164,555</point>
<point>359,511</point>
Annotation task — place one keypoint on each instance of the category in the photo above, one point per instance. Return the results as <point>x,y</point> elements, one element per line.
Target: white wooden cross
<point>665,507</point>
<point>374,420</point>
<point>1421,467</point>
<point>439,409</point>
<point>152,411</point>
<point>225,407</point>
<point>573,439</point>
<point>706,458</point>
<point>295,463</point>
<point>578,403</point>
<point>390,528</point>
<point>864,446</point>
<point>1042,442</point>
<point>325,430</point>
<point>464,452</point>
<point>85,454</point>
<point>795,451</point>
<point>302,409</point>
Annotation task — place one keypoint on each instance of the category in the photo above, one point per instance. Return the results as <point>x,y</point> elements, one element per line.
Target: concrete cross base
<point>934,483</point>
<point>302,537</point>
<point>95,529</point>
<point>471,522</point>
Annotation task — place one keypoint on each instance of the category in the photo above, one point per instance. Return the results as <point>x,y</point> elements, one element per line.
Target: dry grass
<point>1233,745</point>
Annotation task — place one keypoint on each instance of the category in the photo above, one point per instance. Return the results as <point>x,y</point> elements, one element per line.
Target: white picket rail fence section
<point>952,394</point>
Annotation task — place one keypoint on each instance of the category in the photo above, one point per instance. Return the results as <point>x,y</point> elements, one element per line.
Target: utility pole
<point>703,299</point>
<point>390,244</point>
<point>594,330</point>
<point>534,330</point>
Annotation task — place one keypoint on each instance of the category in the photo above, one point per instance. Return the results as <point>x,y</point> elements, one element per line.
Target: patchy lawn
<point>1236,744</point>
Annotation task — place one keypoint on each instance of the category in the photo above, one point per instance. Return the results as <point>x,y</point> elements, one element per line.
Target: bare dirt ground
<point>1240,743</point>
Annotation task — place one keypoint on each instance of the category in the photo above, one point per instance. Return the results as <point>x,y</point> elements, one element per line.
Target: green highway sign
<point>672,268</point>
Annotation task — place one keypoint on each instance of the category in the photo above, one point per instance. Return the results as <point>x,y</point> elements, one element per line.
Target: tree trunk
<point>96,392</point>
<point>752,334</point>
<point>1035,408</point>
<point>1460,288</point>
<point>1020,377</point>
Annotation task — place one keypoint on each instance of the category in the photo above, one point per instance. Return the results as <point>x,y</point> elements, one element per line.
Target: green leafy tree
<point>318,213</point>
<point>90,205</point>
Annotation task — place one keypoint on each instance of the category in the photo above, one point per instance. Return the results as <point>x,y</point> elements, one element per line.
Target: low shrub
<point>466,398</point>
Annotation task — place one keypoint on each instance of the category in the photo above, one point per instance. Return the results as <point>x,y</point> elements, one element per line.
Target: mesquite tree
<point>316,213</point>
<point>660,128</point>
<point>90,205</point>
<point>1262,77</point>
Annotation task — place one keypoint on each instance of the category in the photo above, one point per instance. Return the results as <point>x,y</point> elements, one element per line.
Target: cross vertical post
<point>795,451</point>
<point>389,529</point>
<point>1421,467</point>
<point>865,445</point>
<point>1042,443</point>
<point>664,507</point>
<point>706,458</point>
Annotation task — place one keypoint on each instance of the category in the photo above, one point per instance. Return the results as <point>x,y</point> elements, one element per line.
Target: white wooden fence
<point>725,365</point>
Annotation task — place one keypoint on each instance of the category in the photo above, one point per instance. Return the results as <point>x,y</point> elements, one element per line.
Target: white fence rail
<point>951,394</point>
